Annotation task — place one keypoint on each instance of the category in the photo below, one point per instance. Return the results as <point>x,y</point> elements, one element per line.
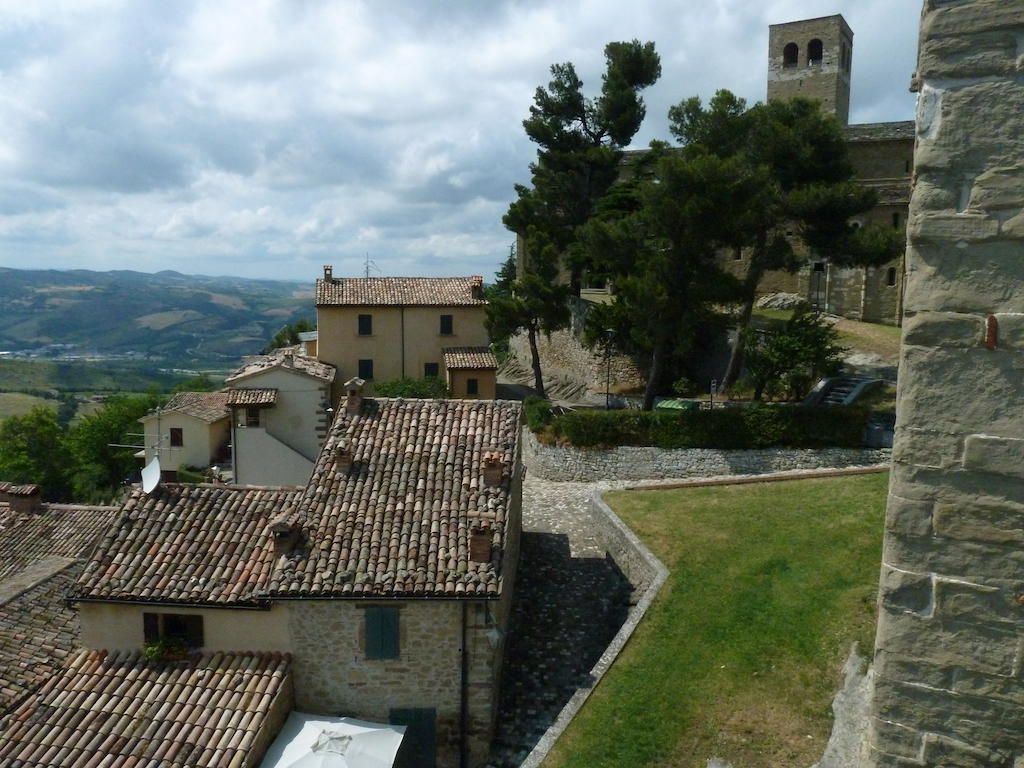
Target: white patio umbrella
<point>315,741</point>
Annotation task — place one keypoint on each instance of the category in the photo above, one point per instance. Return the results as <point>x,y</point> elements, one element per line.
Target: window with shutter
<point>381,632</point>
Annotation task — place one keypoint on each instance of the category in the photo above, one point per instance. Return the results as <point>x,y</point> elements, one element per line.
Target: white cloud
<point>267,137</point>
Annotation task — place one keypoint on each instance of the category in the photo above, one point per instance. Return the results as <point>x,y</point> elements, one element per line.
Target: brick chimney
<point>476,286</point>
<point>354,394</point>
<point>287,534</point>
<point>329,273</point>
<point>343,456</point>
<point>25,499</point>
<point>494,468</point>
<point>289,357</point>
<point>480,540</point>
<point>4,487</point>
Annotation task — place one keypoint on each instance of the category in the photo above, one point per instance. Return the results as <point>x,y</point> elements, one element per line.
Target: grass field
<point>17,403</point>
<point>873,338</point>
<point>740,654</point>
<point>83,376</point>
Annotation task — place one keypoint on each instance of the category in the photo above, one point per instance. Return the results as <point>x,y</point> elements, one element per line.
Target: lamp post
<point>608,335</point>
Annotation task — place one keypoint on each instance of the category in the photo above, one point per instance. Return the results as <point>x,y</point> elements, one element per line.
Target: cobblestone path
<point>569,603</point>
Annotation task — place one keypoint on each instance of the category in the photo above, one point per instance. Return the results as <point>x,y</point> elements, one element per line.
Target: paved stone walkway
<point>569,603</point>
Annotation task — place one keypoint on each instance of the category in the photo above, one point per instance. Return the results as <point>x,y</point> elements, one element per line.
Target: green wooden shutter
<point>381,632</point>
<point>419,746</point>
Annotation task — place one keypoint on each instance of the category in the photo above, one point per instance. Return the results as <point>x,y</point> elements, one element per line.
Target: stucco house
<point>280,412</point>
<point>382,590</point>
<point>383,328</point>
<point>192,430</point>
<point>471,372</point>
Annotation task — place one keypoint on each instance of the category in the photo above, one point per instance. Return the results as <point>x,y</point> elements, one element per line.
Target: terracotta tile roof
<point>900,130</point>
<point>57,530</point>
<point>242,398</point>
<point>282,359</point>
<point>195,544</point>
<point>205,406</point>
<point>38,631</point>
<point>400,291</point>
<point>469,357</point>
<point>120,710</point>
<point>22,490</point>
<point>398,523</point>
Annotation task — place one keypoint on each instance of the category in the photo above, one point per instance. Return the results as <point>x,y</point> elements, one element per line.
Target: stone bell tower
<point>812,58</point>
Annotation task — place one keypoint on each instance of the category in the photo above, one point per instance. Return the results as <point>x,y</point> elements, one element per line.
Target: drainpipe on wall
<point>464,694</point>
<point>401,311</point>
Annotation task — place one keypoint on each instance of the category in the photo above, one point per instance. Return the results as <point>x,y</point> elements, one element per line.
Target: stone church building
<point>813,58</point>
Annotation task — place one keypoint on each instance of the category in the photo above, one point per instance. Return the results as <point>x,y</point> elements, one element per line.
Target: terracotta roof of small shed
<point>205,406</point>
<point>399,291</point>
<point>397,524</point>
<point>894,131</point>
<point>292,361</point>
<point>240,398</point>
<point>469,357</point>
<point>56,530</point>
<point>38,630</point>
<point>193,544</point>
<point>121,710</point>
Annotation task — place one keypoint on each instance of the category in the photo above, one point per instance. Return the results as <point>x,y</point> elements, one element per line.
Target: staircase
<point>840,390</point>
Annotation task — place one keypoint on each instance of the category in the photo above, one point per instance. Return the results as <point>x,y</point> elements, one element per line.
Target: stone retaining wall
<point>646,573</point>
<point>640,463</point>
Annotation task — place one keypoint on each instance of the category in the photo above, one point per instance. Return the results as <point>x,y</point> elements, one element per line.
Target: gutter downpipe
<point>401,311</point>
<point>464,695</point>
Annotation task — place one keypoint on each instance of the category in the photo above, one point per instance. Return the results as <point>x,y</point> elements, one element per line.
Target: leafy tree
<point>662,256</point>
<point>289,334</point>
<point>811,194</point>
<point>33,450</point>
<point>200,383</point>
<point>793,358</point>
<point>580,143</point>
<point>100,469</point>
<point>426,387</point>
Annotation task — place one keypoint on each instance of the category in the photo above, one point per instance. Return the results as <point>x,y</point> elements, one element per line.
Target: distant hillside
<point>167,316</point>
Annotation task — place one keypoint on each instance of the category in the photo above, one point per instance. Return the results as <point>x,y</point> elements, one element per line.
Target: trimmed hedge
<point>759,426</point>
<point>538,413</point>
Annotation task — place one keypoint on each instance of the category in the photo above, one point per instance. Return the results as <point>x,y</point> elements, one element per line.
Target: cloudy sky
<point>267,138</point>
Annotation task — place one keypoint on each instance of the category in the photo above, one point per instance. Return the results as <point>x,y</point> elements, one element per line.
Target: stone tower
<point>812,58</point>
<point>949,654</point>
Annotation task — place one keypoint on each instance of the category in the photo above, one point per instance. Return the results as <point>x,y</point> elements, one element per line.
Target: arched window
<point>890,277</point>
<point>790,55</point>
<point>814,53</point>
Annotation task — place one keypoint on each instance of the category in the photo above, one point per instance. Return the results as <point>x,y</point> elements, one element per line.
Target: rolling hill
<point>179,320</point>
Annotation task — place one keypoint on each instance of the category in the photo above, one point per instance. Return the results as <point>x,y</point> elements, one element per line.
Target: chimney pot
<point>494,468</point>
<point>328,272</point>
<point>4,487</point>
<point>480,542</point>
<point>343,456</point>
<point>25,499</point>
<point>354,396</point>
<point>287,534</point>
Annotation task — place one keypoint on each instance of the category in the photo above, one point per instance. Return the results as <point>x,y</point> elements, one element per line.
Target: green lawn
<point>740,654</point>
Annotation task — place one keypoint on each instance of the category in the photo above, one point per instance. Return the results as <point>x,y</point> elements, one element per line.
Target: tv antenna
<point>369,264</point>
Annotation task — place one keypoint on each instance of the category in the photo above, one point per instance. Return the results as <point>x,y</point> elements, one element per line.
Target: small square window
<point>472,387</point>
<point>366,325</point>
<point>447,325</point>
<point>381,632</point>
<point>895,221</point>
<point>431,370</point>
<point>252,417</point>
<point>366,369</point>
<point>177,438</point>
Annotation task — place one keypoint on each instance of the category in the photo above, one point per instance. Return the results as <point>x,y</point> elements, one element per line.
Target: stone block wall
<point>949,652</point>
<point>628,462</point>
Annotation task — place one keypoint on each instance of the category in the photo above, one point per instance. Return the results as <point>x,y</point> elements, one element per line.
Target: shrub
<point>538,413</point>
<point>759,426</point>
<point>428,387</point>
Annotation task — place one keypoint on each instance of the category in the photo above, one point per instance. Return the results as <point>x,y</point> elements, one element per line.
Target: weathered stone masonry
<point>950,647</point>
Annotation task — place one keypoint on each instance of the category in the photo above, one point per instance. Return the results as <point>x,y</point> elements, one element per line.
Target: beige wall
<point>486,383</point>
<point>118,626</point>
<point>200,441</point>
<point>340,344</point>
